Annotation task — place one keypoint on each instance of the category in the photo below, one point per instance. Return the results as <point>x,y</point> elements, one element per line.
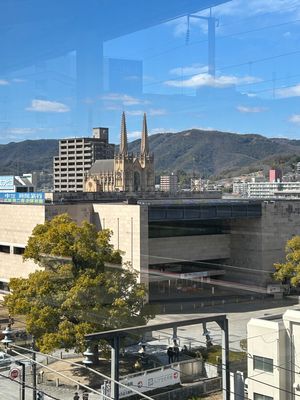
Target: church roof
<point>102,166</point>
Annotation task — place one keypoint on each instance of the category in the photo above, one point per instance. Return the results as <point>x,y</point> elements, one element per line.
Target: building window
<point>4,249</point>
<point>258,396</point>
<point>263,363</point>
<point>19,250</point>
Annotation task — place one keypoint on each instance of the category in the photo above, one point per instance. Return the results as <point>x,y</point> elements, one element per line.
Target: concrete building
<point>266,190</point>
<point>125,172</point>
<point>76,157</point>
<point>273,357</point>
<point>238,240</point>
<point>275,175</point>
<point>169,183</point>
<point>240,188</point>
<point>17,184</point>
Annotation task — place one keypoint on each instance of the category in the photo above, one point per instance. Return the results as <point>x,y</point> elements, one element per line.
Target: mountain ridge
<point>203,152</point>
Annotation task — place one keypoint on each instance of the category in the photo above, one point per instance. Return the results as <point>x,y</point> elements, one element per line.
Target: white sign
<point>6,182</point>
<point>146,381</point>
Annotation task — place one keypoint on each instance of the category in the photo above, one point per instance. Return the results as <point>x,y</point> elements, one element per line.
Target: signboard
<point>14,373</point>
<point>6,182</point>
<point>23,198</point>
<point>146,381</point>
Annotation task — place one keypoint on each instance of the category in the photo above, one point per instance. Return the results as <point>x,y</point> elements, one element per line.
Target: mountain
<point>27,156</point>
<point>204,152</point>
<point>216,153</point>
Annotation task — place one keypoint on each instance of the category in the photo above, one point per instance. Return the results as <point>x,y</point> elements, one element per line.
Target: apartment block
<point>76,157</point>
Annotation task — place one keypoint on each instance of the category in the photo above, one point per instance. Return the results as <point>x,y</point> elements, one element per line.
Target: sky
<point>163,71</point>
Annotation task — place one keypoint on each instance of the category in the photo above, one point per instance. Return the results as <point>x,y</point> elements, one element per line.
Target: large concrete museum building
<point>240,238</point>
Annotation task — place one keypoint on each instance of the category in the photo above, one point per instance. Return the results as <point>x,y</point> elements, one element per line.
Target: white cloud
<point>200,80</point>
<point>244,109</point>
<point>135,112</point>
<point>189,70</point>
<point>125,99</point>
<point>48,106</point>
<point>134,135</point>
<point>162,130</point>
<point>254,7</point>
<point>3,82</point>
<point>295,119</point>
<point>292,91</point>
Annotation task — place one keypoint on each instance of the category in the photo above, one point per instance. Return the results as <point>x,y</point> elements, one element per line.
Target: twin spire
<point>144,141</point>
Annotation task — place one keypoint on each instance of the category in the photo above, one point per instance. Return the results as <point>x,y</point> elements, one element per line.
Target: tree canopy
<point>82,287</point>
<point>289,271</point>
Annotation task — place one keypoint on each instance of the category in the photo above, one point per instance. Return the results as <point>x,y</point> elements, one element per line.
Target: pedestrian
<point>170,354</point>
<point>76,397</point>
<point>176,353</point>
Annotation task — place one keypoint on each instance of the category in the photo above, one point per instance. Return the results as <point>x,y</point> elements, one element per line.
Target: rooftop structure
<point>273,365</point>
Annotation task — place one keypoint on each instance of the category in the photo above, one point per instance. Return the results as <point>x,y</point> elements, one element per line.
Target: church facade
<point>126,172</point>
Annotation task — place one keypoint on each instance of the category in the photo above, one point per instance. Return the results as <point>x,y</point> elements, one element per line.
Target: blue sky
<point>256,87</point>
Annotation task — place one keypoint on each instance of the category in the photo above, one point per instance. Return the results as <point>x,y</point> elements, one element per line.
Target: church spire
<point>123,141</point>
<point>144,141</point>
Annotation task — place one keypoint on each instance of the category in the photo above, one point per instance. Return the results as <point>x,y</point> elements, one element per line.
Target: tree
<point>290,270</point>
<point>76,292</point>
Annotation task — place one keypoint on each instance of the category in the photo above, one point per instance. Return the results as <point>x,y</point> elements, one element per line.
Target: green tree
<point>289,271</point>
<point>81,287</point>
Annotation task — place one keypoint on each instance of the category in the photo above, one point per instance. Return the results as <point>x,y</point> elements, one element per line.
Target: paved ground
<point>238,316</point>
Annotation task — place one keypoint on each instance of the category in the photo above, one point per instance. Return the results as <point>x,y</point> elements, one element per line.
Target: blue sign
<point>23,198</point>
<point>7,182</point>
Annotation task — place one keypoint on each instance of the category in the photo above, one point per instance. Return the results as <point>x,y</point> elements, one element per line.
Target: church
<point>126,172</point>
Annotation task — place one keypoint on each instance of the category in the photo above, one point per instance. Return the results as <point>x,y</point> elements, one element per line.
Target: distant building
<point>169,183</point>
<point>196,185</point>
<point>273,189</point>
<point>275,175</point>
<point>20,184</point>
<point>240,188</point>
<point>125,172</point>
<point>76,157</point>
<point>273,357</point>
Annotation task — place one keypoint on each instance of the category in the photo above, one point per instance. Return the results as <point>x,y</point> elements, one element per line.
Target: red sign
<point>14,373</point>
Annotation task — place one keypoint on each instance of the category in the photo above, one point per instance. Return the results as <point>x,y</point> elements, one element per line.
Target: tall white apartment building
<point>274,357</point>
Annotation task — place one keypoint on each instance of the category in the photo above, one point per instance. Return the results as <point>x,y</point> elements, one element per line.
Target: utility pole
<point>212,22</point>
<point>23,379</point>
<point>33,370</point>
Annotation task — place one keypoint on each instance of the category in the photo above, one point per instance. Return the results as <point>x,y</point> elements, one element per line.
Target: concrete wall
<point>16,224</point>
<point>256,244</point>
<point>129,224</point>
<point>189,248</point>
<point>267,339</point>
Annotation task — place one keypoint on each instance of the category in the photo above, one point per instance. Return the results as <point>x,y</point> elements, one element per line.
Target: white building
<point>273,189</point>
<point>240,188</point>
<point>274,357</point>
